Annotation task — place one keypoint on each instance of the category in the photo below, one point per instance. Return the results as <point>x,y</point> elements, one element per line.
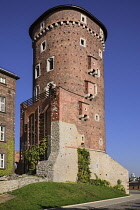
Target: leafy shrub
<point>119,182</point>
<point>99,182</point>
<point>119,187</point>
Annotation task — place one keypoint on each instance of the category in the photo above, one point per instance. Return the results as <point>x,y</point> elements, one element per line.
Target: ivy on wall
<point>32,155</point>
<point>84,172</point>
<point>9,160</point>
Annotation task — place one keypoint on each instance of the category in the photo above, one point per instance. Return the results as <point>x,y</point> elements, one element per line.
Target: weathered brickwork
<point>71,65</point>
<point>68,64</point>
<point>7,118</point>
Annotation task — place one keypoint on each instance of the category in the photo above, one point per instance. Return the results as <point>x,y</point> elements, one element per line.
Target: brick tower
<point>67,106</point>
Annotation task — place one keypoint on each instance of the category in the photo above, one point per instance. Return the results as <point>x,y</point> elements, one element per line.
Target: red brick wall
<point>69,112</point>
<point>71,64</point>
<point>7,118</point>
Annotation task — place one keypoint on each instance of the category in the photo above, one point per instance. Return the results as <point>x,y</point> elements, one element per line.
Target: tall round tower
<point>67,107</point>
<point>68,52</point>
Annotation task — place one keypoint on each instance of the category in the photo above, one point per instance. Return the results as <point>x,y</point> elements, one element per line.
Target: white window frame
<point>83,40</point>
<point>42,25</point>
<point>97,117</point>
<point>101,33</point>
<point>37,69</point>
<point>36,90</point>
<point>2,104</point>
<point>49,64</point>
<point>2,156</point>
<point>98,73</point>
<point>42,48</point>
<point>85,18</point>
<point>101,141</point>
<point>95,89</point>
<point>2,80</point>
<point>100,54</point>
<point>48,85</point>
<point>2,133</point>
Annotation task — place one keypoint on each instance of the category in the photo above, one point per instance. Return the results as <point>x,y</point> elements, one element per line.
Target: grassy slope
<point>47,194</point>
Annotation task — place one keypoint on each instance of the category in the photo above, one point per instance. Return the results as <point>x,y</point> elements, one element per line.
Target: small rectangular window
<point>1,160</point>
<point>95,89</point>
<point>2,80</point>
<point>83,18</point>
<point>42,25</point>
<point>100,53</point>
<point>50,64</point>
<point>43,46</point>
<point>97,117</point>
<point>2,104</point>
<point>98,73</point>
<point>82,42</point>
<point>101,33</point>
<point>2,133</point>
<point>37,71</point>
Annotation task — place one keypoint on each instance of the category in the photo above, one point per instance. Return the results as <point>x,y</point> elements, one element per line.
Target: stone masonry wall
<point>6,186</point>
<point>46,167</point>
<point>62,164</point>
<point>107,168</point>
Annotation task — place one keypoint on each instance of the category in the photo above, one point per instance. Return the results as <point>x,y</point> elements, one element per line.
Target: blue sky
<point>122,65</point>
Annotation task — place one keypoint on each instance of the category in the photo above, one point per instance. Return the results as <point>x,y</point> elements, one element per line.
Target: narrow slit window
<point>98,73</point>
<point>43,46</point>
<point>101,33</point>
<point>82,42</point>
<point>101,141</point>
<point>97,117</point>
<point>50,64</point>
<point>42,25</point>
<point>36,91</point>
<point>83,19</point>
<point>100,53</point>
<point>37,71</point>
<point>95,89</point>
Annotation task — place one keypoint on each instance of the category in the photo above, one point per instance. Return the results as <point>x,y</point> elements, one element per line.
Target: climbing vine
<point>83,166</point>
<point>9,160</point>
<point>32,155</point>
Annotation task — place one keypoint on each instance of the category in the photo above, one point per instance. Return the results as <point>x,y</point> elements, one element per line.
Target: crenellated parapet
<point>91,31</point>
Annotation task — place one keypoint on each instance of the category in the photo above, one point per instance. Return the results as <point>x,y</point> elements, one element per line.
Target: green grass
<point>50,194</point>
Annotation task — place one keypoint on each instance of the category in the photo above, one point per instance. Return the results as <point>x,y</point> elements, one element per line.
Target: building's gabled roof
<point>65,7</point>
<point>8,73</point>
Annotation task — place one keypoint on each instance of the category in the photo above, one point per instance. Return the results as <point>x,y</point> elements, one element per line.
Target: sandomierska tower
<point>67,106</point>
